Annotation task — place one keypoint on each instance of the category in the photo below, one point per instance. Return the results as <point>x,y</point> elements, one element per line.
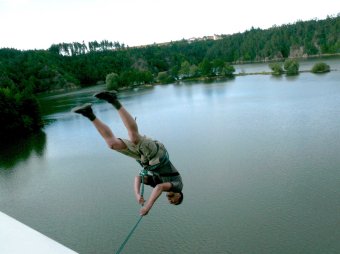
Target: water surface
<point>259,156</point>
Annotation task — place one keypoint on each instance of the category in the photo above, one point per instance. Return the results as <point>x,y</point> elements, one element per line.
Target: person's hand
<point>140,200</point>
<point>144,211</point>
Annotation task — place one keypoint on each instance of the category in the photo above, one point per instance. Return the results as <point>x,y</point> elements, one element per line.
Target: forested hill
<point>67,65</point>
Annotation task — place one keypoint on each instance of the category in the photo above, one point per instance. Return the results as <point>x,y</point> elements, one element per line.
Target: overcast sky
<point>37,24</point>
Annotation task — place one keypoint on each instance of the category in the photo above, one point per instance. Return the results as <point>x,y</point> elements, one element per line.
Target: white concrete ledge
<point>17,238</point>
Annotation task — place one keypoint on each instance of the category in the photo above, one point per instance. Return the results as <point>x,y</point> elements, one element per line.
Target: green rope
<point>142,174</point>
<point>128,237</point>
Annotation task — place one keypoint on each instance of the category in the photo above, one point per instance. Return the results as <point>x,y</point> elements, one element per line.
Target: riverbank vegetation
<point>291,67</point>
<point>320,68</point>
<point>70,65</point>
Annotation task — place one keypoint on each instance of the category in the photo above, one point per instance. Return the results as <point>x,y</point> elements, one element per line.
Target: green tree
<point>276,68</point>
<point>164,77</point>
<point>193,72</point>
<point>206,68</point>
<point>20,114</point>
<point>217,66</point>
<point>142,77</point>
<point>112,81</point>
<point>320,68</point>
<point>228,70</point>
<point>291,66</point>
<point>184,72</point>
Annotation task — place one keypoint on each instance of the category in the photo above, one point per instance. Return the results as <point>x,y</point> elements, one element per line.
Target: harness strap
<point>163,161</point>
<point>169,174</point>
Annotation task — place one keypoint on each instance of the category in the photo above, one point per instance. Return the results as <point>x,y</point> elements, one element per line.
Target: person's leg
<point>127,119</point>
<point>130,124</point>
<point>102,128</point>
<point>110,139</point>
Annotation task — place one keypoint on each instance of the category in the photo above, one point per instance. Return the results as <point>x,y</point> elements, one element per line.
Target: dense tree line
<point>68,65</point>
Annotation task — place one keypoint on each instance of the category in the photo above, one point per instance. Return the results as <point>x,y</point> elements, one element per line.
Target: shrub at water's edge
<point>276,68</point>
<point>291,66</point>
<point>320,68</point>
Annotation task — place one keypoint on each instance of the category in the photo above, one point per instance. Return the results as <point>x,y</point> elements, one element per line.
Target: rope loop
<point>143,172</point>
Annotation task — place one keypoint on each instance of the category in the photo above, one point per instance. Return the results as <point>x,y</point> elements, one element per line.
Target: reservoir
<point>259,156</point>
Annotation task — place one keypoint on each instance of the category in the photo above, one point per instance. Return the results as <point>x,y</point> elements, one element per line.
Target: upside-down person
<point>150,154</point>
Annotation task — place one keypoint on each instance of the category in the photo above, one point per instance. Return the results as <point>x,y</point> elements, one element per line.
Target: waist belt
<point>169,174</point>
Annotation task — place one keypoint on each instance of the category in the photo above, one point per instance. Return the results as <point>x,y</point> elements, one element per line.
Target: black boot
<point>110,97</point>
<point>85,110</point>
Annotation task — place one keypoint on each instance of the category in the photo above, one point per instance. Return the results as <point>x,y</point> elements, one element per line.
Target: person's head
<point>175,198</point>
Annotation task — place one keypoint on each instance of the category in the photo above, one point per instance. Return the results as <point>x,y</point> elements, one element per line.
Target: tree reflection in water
<point>13,153</point>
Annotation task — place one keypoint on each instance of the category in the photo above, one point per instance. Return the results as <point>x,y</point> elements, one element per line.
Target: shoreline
<point>61,90</point>
<point>282,59</point>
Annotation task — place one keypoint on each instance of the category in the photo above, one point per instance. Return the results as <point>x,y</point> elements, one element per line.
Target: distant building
<point>192,39</point>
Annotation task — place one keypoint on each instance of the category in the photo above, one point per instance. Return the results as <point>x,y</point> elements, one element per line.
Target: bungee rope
<point>142,173</point>
<point>128,237</point>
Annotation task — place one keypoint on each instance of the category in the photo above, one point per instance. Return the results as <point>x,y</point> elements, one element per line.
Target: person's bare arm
<point>138,196</point>
<point>157,191</point>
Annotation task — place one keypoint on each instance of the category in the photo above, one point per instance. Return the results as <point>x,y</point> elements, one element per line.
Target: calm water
<point>259,156</point>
